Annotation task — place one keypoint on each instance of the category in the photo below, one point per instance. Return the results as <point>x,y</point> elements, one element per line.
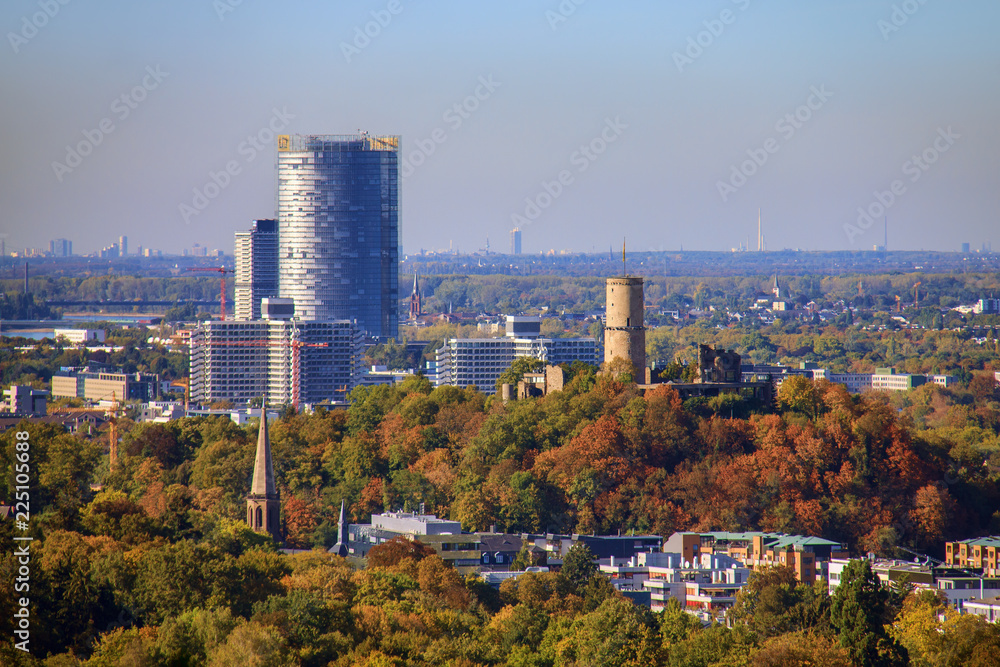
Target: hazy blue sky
<point>676,117</point>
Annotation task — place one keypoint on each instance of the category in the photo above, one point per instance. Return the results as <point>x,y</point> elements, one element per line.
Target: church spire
<point>340,548</point>
<point>263,501</point>
<point>263,468</point>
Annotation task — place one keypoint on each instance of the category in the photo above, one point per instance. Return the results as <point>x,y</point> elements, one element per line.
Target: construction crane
<point>222,285</point>
<point>113,432</point>
<point>296,346</point>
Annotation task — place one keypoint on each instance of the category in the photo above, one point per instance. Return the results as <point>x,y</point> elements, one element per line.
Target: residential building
<point>515,241</point>
<point>446,537</point>
<point>123,246</point>
<point>989,608</point>
<point>103,385</point>
<point>980,553</point>
<point>80,336</point>
<point>481,361</point>
<point>288,361</point>
<point>61,248</point>
<point>989,306</point>
<point>707,583</point>
<point>256,268</point>
<point>338,228</point>
<point>807,556</point>
<point>26,400</point>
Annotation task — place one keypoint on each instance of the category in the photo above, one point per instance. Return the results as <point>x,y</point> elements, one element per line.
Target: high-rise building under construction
<point>338,228</point>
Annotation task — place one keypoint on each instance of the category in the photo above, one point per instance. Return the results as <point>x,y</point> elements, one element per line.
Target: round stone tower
<point>624,333</point>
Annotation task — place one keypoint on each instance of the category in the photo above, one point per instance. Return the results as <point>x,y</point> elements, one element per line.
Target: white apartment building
<point>286,360</point>
<point>481,361</point>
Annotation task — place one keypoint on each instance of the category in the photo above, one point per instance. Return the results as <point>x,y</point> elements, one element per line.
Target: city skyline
<point>672,125</point>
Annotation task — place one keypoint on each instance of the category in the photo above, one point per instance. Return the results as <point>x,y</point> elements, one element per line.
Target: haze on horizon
<point>824,105</point>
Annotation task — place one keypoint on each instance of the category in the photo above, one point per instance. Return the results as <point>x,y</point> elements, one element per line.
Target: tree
<point>857,613</point>
<point>517,370</point>
<point>578,566</point>
<point>396,550</point>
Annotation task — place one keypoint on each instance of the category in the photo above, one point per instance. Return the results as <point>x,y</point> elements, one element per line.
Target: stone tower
<point>624,333</point>
<point>264,502</point>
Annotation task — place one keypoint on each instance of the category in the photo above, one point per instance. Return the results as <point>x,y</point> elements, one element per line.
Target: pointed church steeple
<point>340,548</point>
<point>416,308</point>
<point>263,468</point>
<point>264,502</point>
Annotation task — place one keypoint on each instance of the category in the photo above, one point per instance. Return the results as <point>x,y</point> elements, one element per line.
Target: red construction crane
<point>296,345</point>
<point>222,284</point>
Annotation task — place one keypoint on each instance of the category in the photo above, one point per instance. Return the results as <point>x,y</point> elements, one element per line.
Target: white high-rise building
<point>338,228</point>
<point>256,268</point>
<point>239,361</point>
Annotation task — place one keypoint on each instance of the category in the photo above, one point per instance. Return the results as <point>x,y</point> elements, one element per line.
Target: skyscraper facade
<point>256,267</point>
<point>123,246</point>
<point>338,228</point>
<point>515,241</point>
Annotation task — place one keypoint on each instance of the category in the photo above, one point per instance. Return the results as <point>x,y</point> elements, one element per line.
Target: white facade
<point>338,228</point>
<point>239,361</point>
<point>81,335</point>
<point>481,361</point>
<point>256,268</point>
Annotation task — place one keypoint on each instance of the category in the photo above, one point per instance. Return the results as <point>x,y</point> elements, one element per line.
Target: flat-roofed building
<point>285,360</point>
<point>104,385</point>
<point>481,361</point>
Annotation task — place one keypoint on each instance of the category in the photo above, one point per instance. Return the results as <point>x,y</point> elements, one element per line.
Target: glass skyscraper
<point>256,268</point>
<point>338,228</point>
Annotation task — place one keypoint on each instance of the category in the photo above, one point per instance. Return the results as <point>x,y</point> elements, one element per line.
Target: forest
<point>151,564</point>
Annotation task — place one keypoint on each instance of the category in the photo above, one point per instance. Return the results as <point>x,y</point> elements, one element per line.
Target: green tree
<point>578,566</point>
<point>857,612</point>
<point>517,369</point>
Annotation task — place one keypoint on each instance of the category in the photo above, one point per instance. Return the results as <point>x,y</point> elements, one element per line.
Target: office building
<point>338,228</point>
<point>60,248</point>
<point>123,246</point>
<point>515,241</point>
<point>481,361</point>
<point>462,550</point>
<point>79,336</point>
<point>256,268</point>
<point>287,361</point>
<point>25,400</point>
<point>100,385</point>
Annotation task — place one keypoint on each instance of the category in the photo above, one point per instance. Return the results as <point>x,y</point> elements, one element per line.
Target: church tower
<point>415,306</point>
<point>340,548</point>
<point>264,503</point>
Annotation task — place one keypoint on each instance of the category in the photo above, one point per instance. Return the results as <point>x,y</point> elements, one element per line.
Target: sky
<point>583,122</point>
